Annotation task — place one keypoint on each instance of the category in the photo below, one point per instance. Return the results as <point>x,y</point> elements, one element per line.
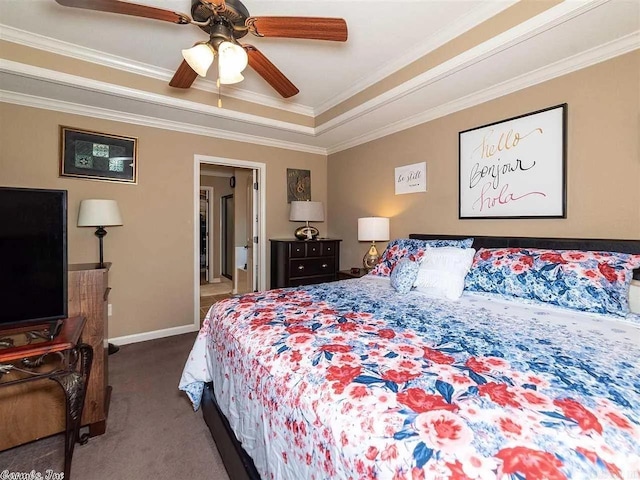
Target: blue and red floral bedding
<point>350,380</point>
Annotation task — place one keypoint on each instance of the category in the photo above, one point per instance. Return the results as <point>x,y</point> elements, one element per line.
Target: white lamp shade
<point>199,57</point>
<point>306,212</point>
<point>371,229</point>
<point>230,79</point>
<point>232,59</point>
<point>99,213</point>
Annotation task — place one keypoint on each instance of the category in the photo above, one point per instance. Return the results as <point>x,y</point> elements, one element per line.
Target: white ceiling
<point>383,37</point>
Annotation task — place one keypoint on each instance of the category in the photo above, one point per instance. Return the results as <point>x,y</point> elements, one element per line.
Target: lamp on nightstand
<point>371,229</point>
<point>306,212</point>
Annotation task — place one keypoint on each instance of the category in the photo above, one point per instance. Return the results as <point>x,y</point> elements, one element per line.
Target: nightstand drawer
<point>314,249</point>
<point>312,266</point>
<point>329,248</point>
<point>297,250</point>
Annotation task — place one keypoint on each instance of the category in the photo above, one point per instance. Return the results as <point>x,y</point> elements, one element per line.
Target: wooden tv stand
<point>24,419</point>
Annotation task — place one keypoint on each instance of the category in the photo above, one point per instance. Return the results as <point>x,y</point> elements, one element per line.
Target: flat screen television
<point>33,256</point>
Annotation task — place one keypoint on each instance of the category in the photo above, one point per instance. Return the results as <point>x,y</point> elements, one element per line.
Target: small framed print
<point>298,185</point>
<point>411,178</point>
<point>98,156</point>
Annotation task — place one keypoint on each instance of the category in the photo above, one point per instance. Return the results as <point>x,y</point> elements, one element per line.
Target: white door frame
<point>260,248</point>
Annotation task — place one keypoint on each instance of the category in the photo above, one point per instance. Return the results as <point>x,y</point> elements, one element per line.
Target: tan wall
<point>603,198</point>
<point>153,253</point>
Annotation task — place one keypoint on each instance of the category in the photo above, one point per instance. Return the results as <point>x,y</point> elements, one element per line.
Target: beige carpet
<point>152,431</point>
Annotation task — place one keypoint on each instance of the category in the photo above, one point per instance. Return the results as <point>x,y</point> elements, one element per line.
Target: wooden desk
<point>28,355</point>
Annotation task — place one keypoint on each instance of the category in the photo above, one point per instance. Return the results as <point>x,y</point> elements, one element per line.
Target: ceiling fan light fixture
<point>199,57</point>
<point>232,59</point>
<point>231,79</point>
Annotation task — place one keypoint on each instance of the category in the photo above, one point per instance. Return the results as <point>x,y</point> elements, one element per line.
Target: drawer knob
<point>324,265</point>
<point>300,267</point>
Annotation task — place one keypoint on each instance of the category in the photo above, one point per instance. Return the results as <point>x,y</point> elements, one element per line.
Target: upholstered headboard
<point>624,246</point>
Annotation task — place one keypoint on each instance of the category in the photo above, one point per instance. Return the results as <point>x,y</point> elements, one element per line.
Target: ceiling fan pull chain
<point>219,98</point>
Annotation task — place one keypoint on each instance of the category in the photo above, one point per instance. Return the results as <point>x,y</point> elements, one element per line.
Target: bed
<point>352,379</point>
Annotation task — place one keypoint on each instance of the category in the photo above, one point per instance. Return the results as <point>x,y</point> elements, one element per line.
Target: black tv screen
<point>33,255</point>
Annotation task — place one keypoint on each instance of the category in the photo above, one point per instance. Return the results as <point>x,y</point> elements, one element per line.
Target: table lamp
<point>99,213</point>
<point>371,229</point>
<point>306,212</point>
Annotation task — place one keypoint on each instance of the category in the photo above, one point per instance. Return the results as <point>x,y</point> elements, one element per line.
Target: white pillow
<point>442,271</point>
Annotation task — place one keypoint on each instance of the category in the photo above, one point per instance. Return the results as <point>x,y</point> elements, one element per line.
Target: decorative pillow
<point>442,271</point>
<point>404,275</point>
<point>413,249</point>
<point>588,281</point>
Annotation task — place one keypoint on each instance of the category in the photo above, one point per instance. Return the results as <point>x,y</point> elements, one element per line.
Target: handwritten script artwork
<point>411,178</point>
<point>515,168</point>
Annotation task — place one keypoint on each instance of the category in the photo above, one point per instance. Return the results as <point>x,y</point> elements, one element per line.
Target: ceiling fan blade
<point>313,28</point>
<point>184,76</point>
<point>126,8</point>
<point>270,72</point>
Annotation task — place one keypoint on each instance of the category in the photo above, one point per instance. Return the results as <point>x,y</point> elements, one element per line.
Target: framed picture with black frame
<point>515,168</point>
<point>98,156</point>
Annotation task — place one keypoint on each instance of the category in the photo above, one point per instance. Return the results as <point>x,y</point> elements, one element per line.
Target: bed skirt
<point>237,462</point>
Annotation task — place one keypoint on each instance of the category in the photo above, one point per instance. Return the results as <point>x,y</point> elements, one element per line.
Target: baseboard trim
<point>143,337</point>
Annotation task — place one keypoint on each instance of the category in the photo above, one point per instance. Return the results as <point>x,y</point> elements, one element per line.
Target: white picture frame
<point>515,168</point>
<point>411,178</point>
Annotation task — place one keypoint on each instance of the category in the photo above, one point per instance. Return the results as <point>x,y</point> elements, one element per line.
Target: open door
<point>252,231</point>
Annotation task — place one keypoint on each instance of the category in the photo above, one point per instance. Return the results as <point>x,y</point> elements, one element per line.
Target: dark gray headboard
<point>624,246</point>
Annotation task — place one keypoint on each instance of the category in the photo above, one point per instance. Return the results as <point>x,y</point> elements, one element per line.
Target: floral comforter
<point>350,380</point>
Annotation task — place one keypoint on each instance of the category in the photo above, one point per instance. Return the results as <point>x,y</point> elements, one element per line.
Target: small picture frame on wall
<point>98,156</point>
<point>298,185</point>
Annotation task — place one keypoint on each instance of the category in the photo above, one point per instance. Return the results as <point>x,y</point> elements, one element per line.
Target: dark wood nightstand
<point>346,274</point>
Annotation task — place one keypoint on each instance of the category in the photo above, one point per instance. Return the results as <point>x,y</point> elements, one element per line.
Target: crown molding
<point>532,27</point>
<point>59,47</point>
<point>577,62</point>
<point>434,41</point>
<point>113,115</point>
<point>53,76</point>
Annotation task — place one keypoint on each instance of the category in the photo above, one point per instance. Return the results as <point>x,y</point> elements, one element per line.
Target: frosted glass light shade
<point>200,57</point>
<point>306,212</point>
<point>230,79</point>
<point>99,213</point>
<point>373,229</point>
<point>232,59</point>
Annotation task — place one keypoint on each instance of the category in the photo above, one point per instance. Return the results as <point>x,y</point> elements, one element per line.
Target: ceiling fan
<point>227,21</point>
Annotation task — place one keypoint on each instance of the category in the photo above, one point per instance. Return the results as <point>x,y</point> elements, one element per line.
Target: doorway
<point>238,254</point>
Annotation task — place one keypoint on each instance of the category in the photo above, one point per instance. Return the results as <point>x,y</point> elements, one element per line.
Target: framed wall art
<point>515,168</point>
<point>411,178</point>
<point>298,185</point>
<point>98,156</point>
